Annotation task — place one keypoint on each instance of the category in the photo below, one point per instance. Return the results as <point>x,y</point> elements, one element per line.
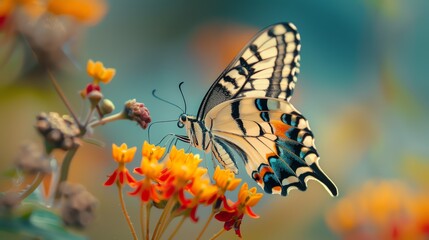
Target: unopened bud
<point>106,106</point>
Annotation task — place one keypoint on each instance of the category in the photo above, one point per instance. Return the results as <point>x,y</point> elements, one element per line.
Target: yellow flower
<point>123,154</point>
<point>151,169</point>
<point>183,166</point>
<point>225,180</point>
<point>86,11</point>
<point>99,72</point>
<point>152,152</point>
<point>248,197</point>
<point>203,190</point>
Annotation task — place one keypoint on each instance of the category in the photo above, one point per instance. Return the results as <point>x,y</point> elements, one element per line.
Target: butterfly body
<point>247,111</point>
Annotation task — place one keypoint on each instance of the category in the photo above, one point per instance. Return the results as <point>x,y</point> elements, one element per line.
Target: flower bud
<point>106,106</point>
<point>137,112</point>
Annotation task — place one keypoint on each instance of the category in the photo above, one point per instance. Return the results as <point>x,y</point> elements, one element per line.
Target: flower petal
<point>111,179</point>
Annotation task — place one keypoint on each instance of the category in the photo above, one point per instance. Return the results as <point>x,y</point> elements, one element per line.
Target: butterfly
<point>247,111</point>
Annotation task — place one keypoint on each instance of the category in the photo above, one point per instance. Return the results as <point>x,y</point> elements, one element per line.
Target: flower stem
<point>65,167</point>
<point>160,224</point>
<point>177,227</point>
<point>206,225</point>
<point>218,234</point>
<point>144,219</point>
<point>38,179</point>
<point>117,116</point>
<point>63,97</point>
<point>124,211</point>
<point>148,207</point>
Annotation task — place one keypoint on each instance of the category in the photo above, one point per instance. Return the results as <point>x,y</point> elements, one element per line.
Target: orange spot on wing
<point>265,170</point>
<point>280,128</point>
<point>276,189</point>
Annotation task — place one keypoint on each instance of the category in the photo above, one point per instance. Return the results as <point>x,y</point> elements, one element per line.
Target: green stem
<point>124,211</point>
<point>218,234</point>
<point>33,186</point>
<point>65,167</point>
<point>117,116</point>
<point>206,225</point>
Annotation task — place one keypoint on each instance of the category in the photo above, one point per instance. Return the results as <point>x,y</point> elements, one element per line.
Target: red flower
<point>233,213</point>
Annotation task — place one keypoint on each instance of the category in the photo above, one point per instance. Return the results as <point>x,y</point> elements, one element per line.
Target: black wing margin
<point>266,67</point>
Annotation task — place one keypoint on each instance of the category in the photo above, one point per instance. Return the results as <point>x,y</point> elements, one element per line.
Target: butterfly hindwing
<point>275,139</point>
<point>266,67</point>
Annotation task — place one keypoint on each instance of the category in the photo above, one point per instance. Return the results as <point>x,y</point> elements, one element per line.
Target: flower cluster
<point>177,184</point>
<point>38,169</point>
<point>381,210</point>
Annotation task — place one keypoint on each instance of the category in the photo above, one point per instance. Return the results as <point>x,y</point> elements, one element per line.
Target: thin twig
<point>63,97</point>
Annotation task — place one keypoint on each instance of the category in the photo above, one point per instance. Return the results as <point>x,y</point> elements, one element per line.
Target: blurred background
<point>363,87</point>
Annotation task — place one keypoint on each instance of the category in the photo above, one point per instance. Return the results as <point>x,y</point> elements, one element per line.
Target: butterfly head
<point>183,118</point>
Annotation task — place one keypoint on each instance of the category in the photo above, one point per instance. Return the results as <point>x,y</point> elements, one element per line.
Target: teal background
<point>363,86</point>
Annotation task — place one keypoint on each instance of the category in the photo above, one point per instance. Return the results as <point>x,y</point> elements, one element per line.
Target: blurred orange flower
<point>381,210</point>
<point>85,11</point>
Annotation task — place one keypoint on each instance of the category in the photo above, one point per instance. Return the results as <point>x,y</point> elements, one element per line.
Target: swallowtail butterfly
<point>247,111</point>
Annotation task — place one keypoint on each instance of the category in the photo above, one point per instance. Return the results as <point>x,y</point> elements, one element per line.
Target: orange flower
<point>225,180</point>
<point>151,169</point>
<point>203,193</point>
<point>121,155</point>
<point>152,152</point>
<point>86,11</point>
<point>181,169</point>
<point>99,72</point>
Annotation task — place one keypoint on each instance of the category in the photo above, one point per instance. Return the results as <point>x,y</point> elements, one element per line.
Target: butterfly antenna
<point>153,94</point>
<point>157,122</point>
<point>183,96</point>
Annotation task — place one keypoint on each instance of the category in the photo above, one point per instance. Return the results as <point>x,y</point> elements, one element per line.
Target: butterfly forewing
<point>266,67</point>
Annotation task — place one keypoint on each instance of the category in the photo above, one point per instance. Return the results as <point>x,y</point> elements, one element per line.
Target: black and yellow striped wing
<point>266,67</point>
